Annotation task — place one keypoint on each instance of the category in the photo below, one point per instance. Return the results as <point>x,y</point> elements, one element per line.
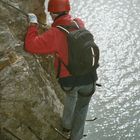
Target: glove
<point>32,18</point>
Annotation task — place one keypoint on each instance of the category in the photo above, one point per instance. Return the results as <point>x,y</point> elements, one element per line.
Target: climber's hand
<point>32,18</point>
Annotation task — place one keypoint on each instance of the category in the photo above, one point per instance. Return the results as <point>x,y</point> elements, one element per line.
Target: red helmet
<point>58,6</point>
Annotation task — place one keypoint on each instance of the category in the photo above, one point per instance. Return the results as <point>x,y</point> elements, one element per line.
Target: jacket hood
<point>63,20</point>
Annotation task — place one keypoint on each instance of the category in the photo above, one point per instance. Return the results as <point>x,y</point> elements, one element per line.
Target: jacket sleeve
<point>40,44</point>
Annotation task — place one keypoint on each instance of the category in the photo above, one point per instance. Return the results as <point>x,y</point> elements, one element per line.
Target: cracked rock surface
<point>30,98</point>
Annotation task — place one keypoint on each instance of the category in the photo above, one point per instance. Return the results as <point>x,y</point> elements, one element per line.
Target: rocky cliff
<point>30,98</point>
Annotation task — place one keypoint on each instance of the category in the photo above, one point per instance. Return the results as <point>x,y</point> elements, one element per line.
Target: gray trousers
<point>75,109</point>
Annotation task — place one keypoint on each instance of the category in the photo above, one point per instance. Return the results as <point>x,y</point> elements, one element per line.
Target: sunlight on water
<point>115,25</point>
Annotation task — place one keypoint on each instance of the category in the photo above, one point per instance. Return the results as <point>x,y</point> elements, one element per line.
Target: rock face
<point>30,99</point>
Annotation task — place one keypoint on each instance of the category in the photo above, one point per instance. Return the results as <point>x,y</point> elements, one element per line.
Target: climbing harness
<point>19,10</point>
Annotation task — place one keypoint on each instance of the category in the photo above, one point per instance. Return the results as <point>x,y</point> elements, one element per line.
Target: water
<point>116,27</point>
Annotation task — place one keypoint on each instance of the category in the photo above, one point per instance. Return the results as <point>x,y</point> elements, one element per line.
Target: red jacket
<point>53,41</point>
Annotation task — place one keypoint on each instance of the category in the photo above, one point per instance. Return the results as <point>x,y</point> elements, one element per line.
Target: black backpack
<point>83,53</point>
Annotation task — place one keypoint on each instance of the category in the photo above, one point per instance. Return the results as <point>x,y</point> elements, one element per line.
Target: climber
<point>54,42</point>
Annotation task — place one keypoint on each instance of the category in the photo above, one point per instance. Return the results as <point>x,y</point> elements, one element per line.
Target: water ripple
<point>115,25</point>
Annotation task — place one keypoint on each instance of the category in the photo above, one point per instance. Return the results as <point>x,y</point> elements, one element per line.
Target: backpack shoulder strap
<point>66,28</point>
<point>74,21</point>
<point>63,28</point>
